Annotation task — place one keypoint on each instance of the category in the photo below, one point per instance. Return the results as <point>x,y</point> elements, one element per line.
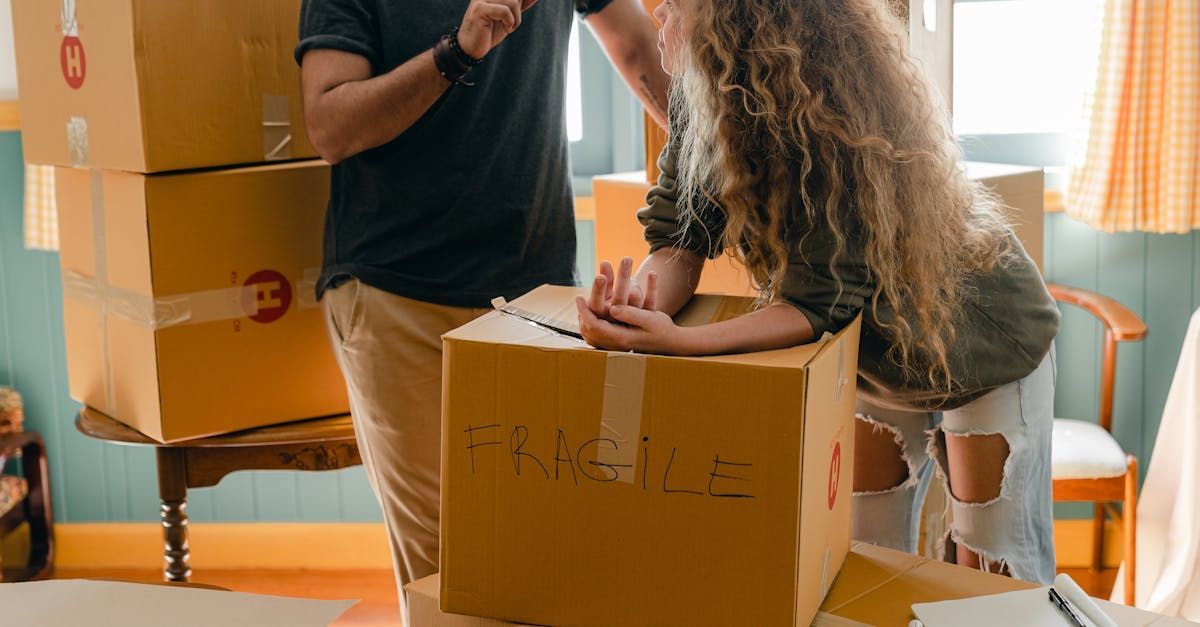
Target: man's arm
<point>347,111</point>
<point>631,42</point>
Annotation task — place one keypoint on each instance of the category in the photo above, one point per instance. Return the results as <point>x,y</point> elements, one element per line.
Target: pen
<point>1065,607</point>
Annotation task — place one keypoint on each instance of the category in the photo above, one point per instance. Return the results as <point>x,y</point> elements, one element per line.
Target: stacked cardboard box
<point>585,487</point>
<point>188,270</point>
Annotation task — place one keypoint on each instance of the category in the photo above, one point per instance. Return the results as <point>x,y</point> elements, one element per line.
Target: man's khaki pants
<point>390,352</point>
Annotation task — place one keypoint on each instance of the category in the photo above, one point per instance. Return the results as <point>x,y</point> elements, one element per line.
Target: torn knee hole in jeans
<point>975,488</point>
<point>989,561</point>
<point>971,526</point>
<point>910,480</point>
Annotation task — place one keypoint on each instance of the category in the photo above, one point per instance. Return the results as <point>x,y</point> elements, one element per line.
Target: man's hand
<point>488,22</point>
<point>609,291</point>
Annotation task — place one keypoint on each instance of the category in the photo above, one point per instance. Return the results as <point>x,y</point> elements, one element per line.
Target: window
<point>1022,69</point>
<point>574,90</point>
<point>604,118</point>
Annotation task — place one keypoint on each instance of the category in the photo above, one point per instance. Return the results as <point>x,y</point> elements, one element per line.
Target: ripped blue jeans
<point>1015,530</point>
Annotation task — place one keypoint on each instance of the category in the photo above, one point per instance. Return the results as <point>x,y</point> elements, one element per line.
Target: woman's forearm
<point>678,275</point>
<point>770,328</point>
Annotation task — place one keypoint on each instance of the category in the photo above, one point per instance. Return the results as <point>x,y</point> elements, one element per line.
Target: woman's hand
<point>634,329</point>
<point>487,22</point>
<point>623,289</point>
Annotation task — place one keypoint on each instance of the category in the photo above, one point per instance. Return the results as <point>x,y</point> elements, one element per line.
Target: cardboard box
<point>879,586</point>
<point>158,85</point>
<point>876,586</point>
<point>620,196</point>
<point>188,298</point>
<point>584,487</point>
<point>1023,190</point>
<point>619,234</point>
<point>424,608</point>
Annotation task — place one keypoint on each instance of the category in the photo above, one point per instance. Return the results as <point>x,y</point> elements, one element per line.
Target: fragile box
<point>158,85</point>
<point>585,487</point>
<point>876,587</point>
<point>620,196</point>
<point>188,298</point>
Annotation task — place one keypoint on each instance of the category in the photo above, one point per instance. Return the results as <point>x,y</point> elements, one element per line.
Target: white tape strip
<point>77,141</point>
<point>70,27</point>
<point>621,413</point>
<point>306,289</point>
<point>99,245</point>
<point>228,303</point>
<point>276,127</point>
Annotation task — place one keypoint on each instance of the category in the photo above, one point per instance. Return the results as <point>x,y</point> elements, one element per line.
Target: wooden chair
<point>25,499</point>
<point>1088,463</point>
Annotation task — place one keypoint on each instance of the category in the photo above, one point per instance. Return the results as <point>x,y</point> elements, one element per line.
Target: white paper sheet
<point>1027,608</point>
<point>84,603</point>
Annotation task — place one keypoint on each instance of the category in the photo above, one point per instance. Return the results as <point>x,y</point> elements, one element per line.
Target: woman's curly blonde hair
<point>795,115</point>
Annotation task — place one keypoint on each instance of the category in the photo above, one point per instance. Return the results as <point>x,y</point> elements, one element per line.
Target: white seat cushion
<point>1084,450</point>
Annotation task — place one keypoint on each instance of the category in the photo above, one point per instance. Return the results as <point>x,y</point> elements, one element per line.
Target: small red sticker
<point>73,61</point>
<point>274,295</point>
<point>835,473</point>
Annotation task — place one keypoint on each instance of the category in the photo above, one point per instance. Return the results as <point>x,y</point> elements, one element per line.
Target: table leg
<point>172,490</point>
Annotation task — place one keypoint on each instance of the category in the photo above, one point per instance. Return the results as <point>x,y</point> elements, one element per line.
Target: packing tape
<point>99,241</point>
<point>229,303</point>
<point>621,412</point>
<point>306,289</point>
<point>276,127</point>
<point>77,141</point>
<point>894,576</point>
<point>70,27</point>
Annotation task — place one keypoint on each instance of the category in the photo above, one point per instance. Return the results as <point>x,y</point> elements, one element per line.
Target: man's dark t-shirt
<point>474,200</point>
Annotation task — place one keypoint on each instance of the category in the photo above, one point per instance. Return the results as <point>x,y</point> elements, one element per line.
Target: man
<point>444,122</point>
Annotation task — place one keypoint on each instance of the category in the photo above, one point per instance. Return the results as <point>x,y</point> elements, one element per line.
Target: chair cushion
<point>12,492</point>
<point>1084,450</point>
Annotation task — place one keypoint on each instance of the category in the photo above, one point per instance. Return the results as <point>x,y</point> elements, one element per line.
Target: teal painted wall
<point>1155,275</point>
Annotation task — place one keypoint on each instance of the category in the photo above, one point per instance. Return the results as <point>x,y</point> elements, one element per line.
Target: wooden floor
<point>377,591</point>
<point>375,588</point>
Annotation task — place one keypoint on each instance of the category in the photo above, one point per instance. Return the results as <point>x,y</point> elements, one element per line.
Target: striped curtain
<point>1139,168</point>
<point>41,210</point>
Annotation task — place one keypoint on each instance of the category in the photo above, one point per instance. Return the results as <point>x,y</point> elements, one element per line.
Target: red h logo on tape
<point>274,295</point>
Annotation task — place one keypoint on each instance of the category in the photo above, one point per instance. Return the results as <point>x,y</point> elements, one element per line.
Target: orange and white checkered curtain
<point>41,210</point>
<point>1139,169</point>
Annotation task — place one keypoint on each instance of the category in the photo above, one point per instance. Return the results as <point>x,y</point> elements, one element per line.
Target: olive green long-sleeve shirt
<point>1009,319</point>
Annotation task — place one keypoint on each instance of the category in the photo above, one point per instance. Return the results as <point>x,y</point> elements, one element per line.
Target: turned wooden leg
<point>172,490</point>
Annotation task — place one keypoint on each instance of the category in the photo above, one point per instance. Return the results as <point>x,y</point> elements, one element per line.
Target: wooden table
<point>318,444</point>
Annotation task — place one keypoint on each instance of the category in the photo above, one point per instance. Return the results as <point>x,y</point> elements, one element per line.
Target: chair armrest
<point>1125,325</point>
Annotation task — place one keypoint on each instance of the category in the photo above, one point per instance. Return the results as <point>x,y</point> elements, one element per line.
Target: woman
<point>807,145</point>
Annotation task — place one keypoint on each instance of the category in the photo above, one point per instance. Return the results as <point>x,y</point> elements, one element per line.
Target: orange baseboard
<point>346,546</point>
<point>313,546</point>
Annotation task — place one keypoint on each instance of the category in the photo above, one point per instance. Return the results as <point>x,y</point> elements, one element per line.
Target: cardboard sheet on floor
<point>879,586</point>
<point>84,603</point>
